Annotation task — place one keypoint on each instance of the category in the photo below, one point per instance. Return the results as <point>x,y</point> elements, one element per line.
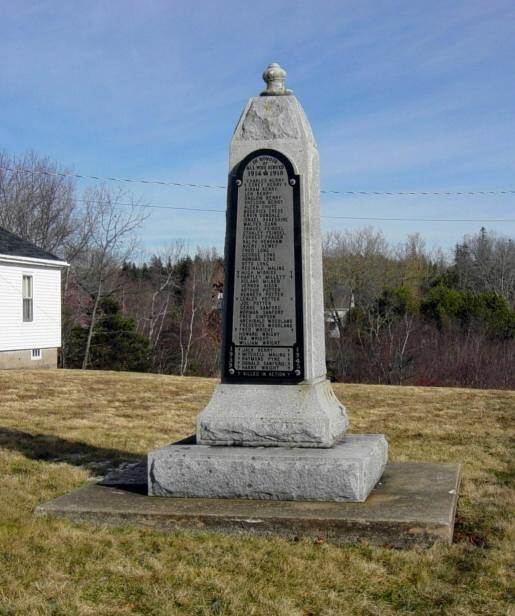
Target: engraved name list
<point>265,311</point>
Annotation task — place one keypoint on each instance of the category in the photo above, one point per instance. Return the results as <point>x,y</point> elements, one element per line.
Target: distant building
<point>342,302</point>
<point>30,304</point>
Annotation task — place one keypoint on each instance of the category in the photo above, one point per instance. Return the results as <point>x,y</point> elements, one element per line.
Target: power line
<point>219,211</point>
<point>157,206</point>
<point>442,193</point>
<point>111,179</point>
<point>425,219</point>
<point>370,218</point>
<point>373,193</point>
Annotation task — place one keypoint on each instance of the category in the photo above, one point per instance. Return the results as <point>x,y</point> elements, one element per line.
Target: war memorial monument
<point>271,452</point>
<point>274,428</point>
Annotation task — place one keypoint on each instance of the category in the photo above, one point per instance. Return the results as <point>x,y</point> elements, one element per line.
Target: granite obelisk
<point>274,389</point>
<point>273,428</point>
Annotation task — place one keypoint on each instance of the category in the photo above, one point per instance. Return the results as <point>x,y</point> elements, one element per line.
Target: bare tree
<point>195,327</point>
<point>357,265</point>
<point>156,301</point>
<point>161,296</point>
<point>361,260</point>
<point>111,241</point>
<point>417,266</point>
<point>37,203</point>
<point>486,262</point>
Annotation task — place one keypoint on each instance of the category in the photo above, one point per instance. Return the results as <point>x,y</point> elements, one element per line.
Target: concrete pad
<point>346,472</point>
<point>413,504</point>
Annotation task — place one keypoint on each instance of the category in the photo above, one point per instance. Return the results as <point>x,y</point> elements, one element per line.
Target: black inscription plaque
<point>263,325</point>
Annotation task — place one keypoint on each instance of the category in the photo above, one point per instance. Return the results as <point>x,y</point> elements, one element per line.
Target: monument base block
<point>304,415</point>
<point>346,472</point>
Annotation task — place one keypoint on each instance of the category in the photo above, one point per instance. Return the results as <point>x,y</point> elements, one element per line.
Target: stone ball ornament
<point>275,78</point>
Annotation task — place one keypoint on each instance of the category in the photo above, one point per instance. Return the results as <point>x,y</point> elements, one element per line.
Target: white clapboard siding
<point>45,329</point>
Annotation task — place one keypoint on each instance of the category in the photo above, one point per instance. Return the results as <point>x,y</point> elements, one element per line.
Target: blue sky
<point>402,95</point>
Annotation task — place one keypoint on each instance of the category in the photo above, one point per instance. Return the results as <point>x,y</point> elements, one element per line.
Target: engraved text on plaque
<point>263,305</point>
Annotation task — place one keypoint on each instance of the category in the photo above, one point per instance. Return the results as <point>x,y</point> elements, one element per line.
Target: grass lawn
<point>59,429</point>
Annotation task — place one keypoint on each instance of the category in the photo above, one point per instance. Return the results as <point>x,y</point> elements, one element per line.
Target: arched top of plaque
<point>237,173</point>
<point>263,324</point>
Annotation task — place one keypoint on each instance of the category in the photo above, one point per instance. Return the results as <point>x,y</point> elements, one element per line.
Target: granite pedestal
<point>303,415</point>
<point>346,472</point>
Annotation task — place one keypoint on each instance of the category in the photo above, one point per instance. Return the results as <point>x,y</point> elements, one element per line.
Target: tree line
<point>404,315</point>
<point>397,314</point>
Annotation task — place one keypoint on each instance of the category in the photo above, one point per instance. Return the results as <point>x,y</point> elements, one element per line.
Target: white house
<point>335,317</point>
<point>30,304</point>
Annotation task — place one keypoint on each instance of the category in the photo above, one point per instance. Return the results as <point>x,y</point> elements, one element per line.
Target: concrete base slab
<point>304,415</point>
<point>346,472</point>
<point>413,504</point>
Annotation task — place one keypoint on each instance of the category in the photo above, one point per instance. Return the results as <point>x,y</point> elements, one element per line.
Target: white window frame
<point>27,291</point>
<point>36,354</point>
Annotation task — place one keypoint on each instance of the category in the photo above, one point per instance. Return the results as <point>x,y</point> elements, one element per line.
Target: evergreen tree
<point>115,345</point>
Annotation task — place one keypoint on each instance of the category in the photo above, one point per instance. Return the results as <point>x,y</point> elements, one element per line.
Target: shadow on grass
<point>51,448</point>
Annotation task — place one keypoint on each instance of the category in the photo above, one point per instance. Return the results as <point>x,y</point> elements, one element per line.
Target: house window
<point>36,354</point>
<point>28,312</point>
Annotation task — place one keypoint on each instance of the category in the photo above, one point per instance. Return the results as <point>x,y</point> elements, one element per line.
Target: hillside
<point>59,429</point>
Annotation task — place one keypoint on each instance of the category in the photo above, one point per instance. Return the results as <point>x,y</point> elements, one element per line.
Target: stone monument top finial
<point>275,77</point>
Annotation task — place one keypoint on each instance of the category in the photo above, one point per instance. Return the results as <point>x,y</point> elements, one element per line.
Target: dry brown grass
<point>60,428</point>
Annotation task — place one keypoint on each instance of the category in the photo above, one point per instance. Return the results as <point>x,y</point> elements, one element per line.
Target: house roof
<point>15,246</point>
